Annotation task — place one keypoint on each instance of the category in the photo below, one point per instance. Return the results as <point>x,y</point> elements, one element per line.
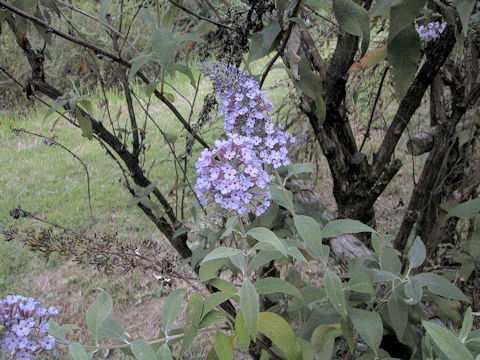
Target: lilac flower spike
<point>431,31</point>
<point>23,324</point>
<point>246,111</point>
<point>232,174</point>
<point>233,177</point>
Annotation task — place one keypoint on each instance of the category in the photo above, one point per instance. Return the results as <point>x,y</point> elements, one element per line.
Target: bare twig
<point>377,97</point>
<point>322,17</point>
<point>201,16</point>
<point>18,212</point>
<point>281,48</point>
<point>90,16</point>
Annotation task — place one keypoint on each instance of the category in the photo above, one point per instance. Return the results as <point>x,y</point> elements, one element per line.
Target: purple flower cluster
<point>233,177</point>
<point>24,327</point>
<point>431,31</point>
<point>246,111</point>
<point>232,173</point>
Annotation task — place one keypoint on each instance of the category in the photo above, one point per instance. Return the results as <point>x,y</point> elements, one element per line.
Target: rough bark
<point>437,103</point>
<point>446,169</point>
<point>356,182</point>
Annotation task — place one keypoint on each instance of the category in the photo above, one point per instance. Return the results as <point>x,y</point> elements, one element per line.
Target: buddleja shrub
<point>255,307</point>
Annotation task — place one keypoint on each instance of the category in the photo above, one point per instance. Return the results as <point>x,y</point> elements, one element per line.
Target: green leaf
<point>210,269</point>
<point>334,289</point>
<point>264,235</point>
<point>189,37</point>
<point>86,104</point>
<point>441,286</point>
<point>353,19</point>
<point>84,122</point>
<point>184,69</point>
<point>370,59</point>
<point>308,351</point>
<point>467,210</point>
<point>224,286</point>
<point>347,333</point>
<point>279,331</point>
<point>381,276</point>
<point>262,43</point>
<point>414,290</point>
<point>448,343</point>
<point>323,340</point>
<point>142,350</point>
<point>403,57</point>
<point>361,283</point>
<point>464,9</point>
<point>417,253</point>
<point>271,285</point>
<point>214,300</point>
<point>242,331</point>
<point>193,316</point>
<point>389,261</point>
<point>345,226</point>
<point>137,64</point>
<point>466,325</point>
<point>310,294</point>
<point>102,18</point>
<point>55,107</point>
<point>171,307</point>
<point>250,307</point>
<point>261,258</point>
<point>210,319</point>
<point>381,8</point>
<point>112,329</point>
<point>164,353</point>
<point>77,352</point>
<point>311,84</point>
<point>98,312</point>
<point>398,313</point>
<point>221,253</point>
<point>146,15</point>
<point>163,44</point>
<point>403,14</point>
<point>310,232</point>
<point>369,326</point>
<point>321,5</point>
<point>223,346</point>
<point>297,169</point>
<point>58,331</point>
<point>282,197</point>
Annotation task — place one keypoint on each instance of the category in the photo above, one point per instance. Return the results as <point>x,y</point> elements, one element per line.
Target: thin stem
<point>244,235</point>
<point>54,142</point>
<point>322,17</point>
<point>200,16</point>
<point>108,26</point>
<point>367,133</point>
<point>281,49</point>
<point>24,213</point>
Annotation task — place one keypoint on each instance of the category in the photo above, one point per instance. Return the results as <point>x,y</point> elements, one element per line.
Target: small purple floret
<point>431,31</point>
